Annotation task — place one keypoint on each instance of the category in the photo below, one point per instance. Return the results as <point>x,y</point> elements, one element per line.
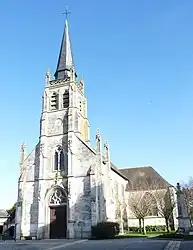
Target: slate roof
<point>116,170</point>
<point>3,213</point>
<point>65,60</point>
<point>143,178</point>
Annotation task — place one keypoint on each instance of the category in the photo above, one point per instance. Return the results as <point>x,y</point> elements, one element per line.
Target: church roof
<point>143,178</point>
<point>3,213</point>
<point>65,59</point>
<point>116,170</point>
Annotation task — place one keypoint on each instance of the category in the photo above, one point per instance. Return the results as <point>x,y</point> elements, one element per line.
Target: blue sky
<point>129,52</point>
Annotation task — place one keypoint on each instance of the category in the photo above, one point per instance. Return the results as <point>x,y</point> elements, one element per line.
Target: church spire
<point>65,66</point>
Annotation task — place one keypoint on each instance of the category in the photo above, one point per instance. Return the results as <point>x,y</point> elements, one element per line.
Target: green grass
<point>176,236</point>
<point>138,235</point>
<point>156,235</point>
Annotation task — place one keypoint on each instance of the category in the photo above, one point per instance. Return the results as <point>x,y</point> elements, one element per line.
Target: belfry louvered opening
<point>66,99</point>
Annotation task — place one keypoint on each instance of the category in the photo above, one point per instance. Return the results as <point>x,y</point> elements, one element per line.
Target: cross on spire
<point>65,60</point>
<point>66,13</point>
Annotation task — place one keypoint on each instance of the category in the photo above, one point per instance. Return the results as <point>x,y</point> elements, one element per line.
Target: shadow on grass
<point>130,236</point>
<point>154,235</point>
<point>174,236</point>
<point>122,237</point>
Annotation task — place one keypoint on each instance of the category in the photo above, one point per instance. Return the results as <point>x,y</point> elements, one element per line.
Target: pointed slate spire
<point>65,60</point>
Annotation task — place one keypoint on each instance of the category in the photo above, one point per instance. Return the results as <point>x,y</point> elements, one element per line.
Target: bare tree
<point>151,198</point>
<point>118,216</point>
<point>124,216</point>
<point>140,204</point>
<point>166,203</point>
<point>187,188</point>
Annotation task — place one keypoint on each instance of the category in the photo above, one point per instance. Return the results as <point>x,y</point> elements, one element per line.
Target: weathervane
<point>66,13</point>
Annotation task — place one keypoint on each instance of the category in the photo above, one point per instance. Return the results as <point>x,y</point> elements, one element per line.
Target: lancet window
<point>59,159</point>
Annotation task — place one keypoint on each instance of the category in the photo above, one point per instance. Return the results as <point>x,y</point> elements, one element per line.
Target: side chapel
<point>65,185</point>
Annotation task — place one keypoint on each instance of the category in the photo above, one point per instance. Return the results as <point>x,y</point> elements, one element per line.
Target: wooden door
<point>58,222</point>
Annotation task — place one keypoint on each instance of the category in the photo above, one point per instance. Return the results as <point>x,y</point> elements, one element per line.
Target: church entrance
<point>58,225</point>
<point>58,215</point>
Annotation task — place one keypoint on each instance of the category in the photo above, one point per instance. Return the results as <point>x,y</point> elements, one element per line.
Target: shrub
<point>160,228</point>
<point>105,230</point>
<point>149,229</point>
<point>134,229</point>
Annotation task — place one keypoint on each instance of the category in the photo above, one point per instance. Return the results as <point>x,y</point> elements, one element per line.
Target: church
<point>65,185</point>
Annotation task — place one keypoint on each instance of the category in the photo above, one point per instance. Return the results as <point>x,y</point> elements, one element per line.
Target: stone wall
<point>81,186</point>
<point>27,201</point>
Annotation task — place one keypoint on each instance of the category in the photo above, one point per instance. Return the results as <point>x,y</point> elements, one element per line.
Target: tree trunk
<point>144,230</point>
<point>191,222</point>
<point>140,229</point>
<point>167,225</point>
<point>122,229</point>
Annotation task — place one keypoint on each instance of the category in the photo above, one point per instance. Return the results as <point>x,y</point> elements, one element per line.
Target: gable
<point>30,166</point>
<point>143,178</point>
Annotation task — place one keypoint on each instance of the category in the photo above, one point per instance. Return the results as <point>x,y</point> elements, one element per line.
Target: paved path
<point>120,244</point>
<point>186,245</point>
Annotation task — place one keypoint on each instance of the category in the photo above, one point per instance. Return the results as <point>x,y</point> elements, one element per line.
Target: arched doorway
<point>58,214</point>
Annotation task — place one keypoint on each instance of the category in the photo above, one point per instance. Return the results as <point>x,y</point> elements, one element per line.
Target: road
<point>118,244</point>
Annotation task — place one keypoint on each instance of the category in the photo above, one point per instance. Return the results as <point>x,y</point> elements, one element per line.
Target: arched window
<point>54,101</point>
<point>56,161</point>
<point>66,99</point>
<point>61,160</point>
<point>58,197</point>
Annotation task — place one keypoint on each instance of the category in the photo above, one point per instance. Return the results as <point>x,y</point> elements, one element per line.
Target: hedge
<point>149,228</point>
<point>105,230</point>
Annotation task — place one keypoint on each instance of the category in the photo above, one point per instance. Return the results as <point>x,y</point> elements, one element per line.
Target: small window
<point>62,160</point>
<point>66,99</point>
<point>56,161</point>
<point>54,101</point>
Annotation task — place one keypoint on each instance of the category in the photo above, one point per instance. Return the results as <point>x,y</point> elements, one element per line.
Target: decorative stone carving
<point>58,197</point>
<point>98,134</point>
<point>184,224</point>
<point>69,189</point>
<point>56,124</point>
<point>42,147</point>
<point>39,193</point>
<point>48,77</point>
<point>82,82</point>
<point>20,198</point>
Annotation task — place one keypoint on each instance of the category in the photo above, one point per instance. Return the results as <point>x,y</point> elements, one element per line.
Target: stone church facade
<point>66,186</point>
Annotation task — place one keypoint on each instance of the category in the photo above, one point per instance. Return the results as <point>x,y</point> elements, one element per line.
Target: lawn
<point>175,236</point>
<point>138,235</point>
<point>157,235</point>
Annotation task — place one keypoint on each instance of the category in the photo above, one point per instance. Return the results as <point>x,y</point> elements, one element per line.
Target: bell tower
<point>64,108</point>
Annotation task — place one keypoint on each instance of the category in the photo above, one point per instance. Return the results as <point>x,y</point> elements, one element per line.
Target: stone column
<point>71,209</point>
<point>184,224</point>
<point>98,176</point>
<point>18,214</point>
